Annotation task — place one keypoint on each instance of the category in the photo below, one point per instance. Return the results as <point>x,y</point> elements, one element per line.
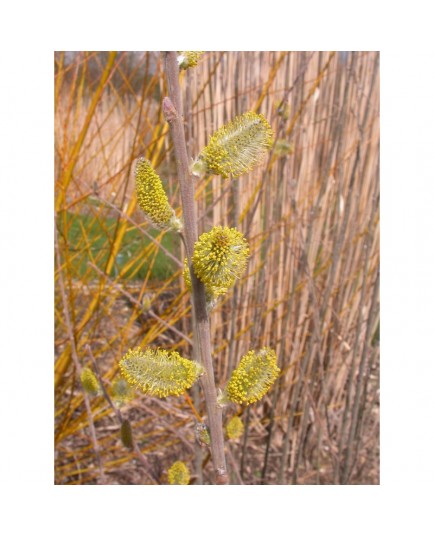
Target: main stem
<point>172,109</point>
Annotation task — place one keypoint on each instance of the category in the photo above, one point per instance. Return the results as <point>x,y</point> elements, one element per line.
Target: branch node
<point>169,110</point>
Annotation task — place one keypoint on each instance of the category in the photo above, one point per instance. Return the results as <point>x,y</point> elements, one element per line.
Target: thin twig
<point>148,469</point>
<point>104,390</point>
<point>234,464</point>
<point>76,360</point>
<point>136,302</point>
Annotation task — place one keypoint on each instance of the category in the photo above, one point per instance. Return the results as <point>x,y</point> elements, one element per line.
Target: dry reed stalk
<point>78,367</point>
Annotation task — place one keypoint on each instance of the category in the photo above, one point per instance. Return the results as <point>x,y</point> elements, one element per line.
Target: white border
<point>401,32</point>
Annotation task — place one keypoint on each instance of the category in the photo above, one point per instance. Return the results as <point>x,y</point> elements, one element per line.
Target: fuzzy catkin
<point>152,198</point>
<point>220,257</point>
<point>188,59</point>
<point>235,148</point>
<point>235,428</point>
<point>178,474</point>
<point>211,291</point>
<point>159,372</point>
<point>254,376</point>
<point>89,382</point>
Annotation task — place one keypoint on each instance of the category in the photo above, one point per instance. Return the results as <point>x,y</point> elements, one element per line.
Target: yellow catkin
<point>121,392</point>
<point>235,428</point>
<point>212,292</point>
<point>178,474</point>
<point>152,198</point>
<point>220,257</point>
<point>253,377</point>
<point>283,148</point>
<point>89,382</point>
<point>188,59</point>
<point>159,372</point>
<point>235,148</point>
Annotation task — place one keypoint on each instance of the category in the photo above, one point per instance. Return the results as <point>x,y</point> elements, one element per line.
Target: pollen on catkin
<point>253,377</point>
<point>220,257</point>
<point>178,474</point>
<point>152,198</point>
<point>121,392</point>
<point>159,372</point>
<point>188,59</point>
<point>236,147</point>
<point>212,292</point>
<point>89,382</point>
<point>235,428</point>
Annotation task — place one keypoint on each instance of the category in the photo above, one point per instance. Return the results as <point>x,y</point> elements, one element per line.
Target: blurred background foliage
<point>311,215</point>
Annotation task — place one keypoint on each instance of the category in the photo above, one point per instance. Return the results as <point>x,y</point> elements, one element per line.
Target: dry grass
<point>311,290</point>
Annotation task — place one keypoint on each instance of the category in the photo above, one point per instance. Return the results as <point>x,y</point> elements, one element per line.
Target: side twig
<point>77,361</point>
<point>148,469</point>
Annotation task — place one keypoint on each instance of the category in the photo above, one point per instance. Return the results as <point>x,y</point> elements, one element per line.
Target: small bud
<point>222,399</point>
<point>202,434</point>
<point>283,148</point>
<point>121,392</point>
<point>253,377</point>
<point>188,59</point>
<point>220,257</point>
<point>127,434</point>
<point>159,372</point>
<point>169,111</point>
<point>178,474</point>
<point>89,382</point>
<point>146,302</point>
<point>284,110</point>
<point>236,147</point>
<point>152,198</point>
<point>235,428</point>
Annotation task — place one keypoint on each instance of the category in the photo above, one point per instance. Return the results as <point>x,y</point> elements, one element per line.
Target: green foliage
<point>90,238</point>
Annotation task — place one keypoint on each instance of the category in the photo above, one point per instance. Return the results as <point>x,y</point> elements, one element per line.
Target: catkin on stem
<point>235,148</point>
<point>254,376</point>
<point>159,372</point>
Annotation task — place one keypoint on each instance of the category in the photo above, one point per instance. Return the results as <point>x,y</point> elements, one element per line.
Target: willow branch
<point>172,109</point>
